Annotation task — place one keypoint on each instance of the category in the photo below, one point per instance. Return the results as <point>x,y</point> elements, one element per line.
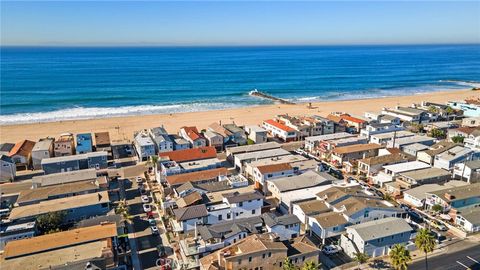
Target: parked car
<point>331,249</point>
<point>152,222</point>
<point>438,225</point>
<point>147,208</point>
<point>154,229</point>
<point>139,180</point>
<point>414,216</point>
<point>145,199</point>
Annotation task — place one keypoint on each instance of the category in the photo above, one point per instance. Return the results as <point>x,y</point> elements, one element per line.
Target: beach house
<point>102,141</point>
<point>64,145</point>
<point>409,114</point>
<point>239,135</point>
<point>454,155</point>
<point>195,138</point>
<point>144,145</point>
<point>378,128</point>
<point>8,169</point>
<point>343,154</point>
<point>21,154</point>
<point>470,107</point>
<point>163,142</point>
<point>84,143</point>
<point>214,139</point>
<point>96,160</point>
<point>42,149</point>
<point>468,171</point>
<point>5,148</point>
<point>279,130</point>
<point>256,134</point>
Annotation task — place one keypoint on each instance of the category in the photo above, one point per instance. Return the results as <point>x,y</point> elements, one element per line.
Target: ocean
<point>41,84</point>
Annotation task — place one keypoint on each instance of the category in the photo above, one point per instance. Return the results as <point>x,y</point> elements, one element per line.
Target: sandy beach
<point>122,128</point>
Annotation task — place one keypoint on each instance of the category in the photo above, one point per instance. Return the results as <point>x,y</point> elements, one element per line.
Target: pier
<point>257,93</point>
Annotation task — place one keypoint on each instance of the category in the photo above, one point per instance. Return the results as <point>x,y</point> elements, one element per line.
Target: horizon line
<point>134,45</point>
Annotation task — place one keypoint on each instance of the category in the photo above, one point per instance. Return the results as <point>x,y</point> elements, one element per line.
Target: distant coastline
<point>122,128</point>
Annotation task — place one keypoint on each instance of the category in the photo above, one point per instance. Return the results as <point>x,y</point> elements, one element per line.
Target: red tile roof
<point>270,168</point>
<point>191,154</point>
<point>22,148</point>
<point>193,133</point>
<point>178,179</point>
<point>349,118</point>
<point>279,125</point>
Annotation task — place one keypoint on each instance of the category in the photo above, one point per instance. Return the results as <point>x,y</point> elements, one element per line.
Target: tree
<point>399,257</point>
<point>437,208</point>
<point>360,258</point>
<point>458,139</point>
<point>432,109</point>
<point>425,242</point>
<point>310,265</point>
<point>122,209</point>
<point>288,265</point>
<point>50,222</point>
<point>437,133</point>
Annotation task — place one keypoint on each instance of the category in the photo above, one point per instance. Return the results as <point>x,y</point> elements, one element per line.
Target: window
<point>263,256</point>
<point>296,260</point>
<point>303,258</point>
<point>269,254</point>
<point>220,217</point>
<point>250,259</point>
<point>253,212</point>
<point>239,261</point>
<point>280,264</point>
<point>240,204</point>
<point>229,216</point>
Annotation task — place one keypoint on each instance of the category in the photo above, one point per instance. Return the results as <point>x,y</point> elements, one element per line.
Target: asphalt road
<point>468,258</point>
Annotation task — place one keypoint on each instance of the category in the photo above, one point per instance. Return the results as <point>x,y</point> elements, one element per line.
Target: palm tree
<point>122,209</point>
<point>360,258</point>
<point>399,257</point>
<point>310,265</point>
<point>425,242</point>
<point>288,265</point>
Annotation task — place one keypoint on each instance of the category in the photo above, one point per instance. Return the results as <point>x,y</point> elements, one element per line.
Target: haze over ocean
<point>57,83</point>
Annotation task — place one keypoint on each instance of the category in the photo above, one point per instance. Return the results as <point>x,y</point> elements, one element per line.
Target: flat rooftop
<point>407,166</point>
<point>426,173</point>
<point>74,157</point>
<point>59,205</point>
<point>330,136</point>
<point>262,154</point>
<point>65,177</point>
<point>252,148</point>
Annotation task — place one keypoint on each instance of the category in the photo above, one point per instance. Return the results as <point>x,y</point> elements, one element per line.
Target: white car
<point>154,229</point>
<point>145,199</point>
<point>147,208</point>
<point>331,249</point>
<point>139,180</point>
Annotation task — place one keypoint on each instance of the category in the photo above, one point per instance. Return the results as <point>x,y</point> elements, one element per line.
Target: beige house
<point>64,146</point>
<point>261,251</point>
<point>354,152</point>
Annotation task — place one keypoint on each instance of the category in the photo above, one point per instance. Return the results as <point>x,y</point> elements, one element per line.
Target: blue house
<point>84,143</point>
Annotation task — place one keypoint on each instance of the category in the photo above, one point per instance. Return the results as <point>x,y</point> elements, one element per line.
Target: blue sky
<point>238,23</point>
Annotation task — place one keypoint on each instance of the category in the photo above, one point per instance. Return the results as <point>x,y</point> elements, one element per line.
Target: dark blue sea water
<point>47,84</point>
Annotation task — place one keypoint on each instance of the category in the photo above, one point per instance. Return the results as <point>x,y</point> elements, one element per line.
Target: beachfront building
<point>279,130</point>
<point>8,169</point>
<point>194,137</point>
<point>353,124</point>
<point>228,137</point>
<point>214,139</point>
<point>470,107</point>
<point>5,148</point>
<point>84,143</point>
<point>256,134</point>
<point>144,145</point>
<point>307,125</point>
<point>338,124</point>
<point>42,149</point>
<point>21,154</point>
<point>64,145</point>
<point>102,142</point>
<point>239,135</point>
<point>389,137</point>
<point>179,143</point>
<point>375,238</point>
<point>96,160</point>
<point>162,140</point>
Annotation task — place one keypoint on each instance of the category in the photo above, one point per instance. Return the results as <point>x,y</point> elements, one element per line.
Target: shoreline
<point>122,127</point>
